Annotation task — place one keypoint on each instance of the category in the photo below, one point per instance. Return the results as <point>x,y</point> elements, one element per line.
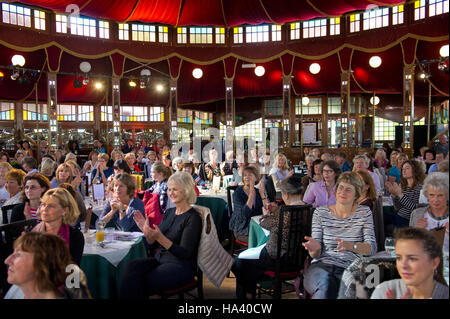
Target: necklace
<point>438,218</point>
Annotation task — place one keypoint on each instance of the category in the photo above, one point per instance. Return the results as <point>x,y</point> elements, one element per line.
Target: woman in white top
<point>280,170</point>
<point>418,257</point>
<point>14,183</point>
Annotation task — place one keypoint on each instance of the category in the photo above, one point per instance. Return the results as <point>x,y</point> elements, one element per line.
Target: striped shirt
<point>356,228</point>
<point>408,202</point>
<point>33,213</point>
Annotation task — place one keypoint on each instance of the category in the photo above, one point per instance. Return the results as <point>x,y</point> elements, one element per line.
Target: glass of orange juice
<point>100,235</point>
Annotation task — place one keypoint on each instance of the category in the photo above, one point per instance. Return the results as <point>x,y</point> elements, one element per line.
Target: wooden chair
<point>5,210</point>
<point>236,245</point>
<point>288,266</point>
<point>378,222</point>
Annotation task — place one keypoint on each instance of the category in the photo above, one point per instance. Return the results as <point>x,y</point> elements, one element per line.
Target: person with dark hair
<point>188,167</point>
<point>249,271</point>
<point>429,158</point>
<point>387,148</point>
<point>369,193</point>
<point>4,157</point>
<point>27,148</point>
<point>30,165</point>
<point>121,166</point>
<point>406,195</point>
<point>322,193</point>
<point>341,159</point>
<point>35,186</point>
<point>440,155</point>
<point>418,255</point>
<point>128,147</point>
<point>247,202</point>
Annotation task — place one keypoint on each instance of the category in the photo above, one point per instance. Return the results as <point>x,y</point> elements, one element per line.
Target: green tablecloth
<point>102,277</point>
<point>256,235</point>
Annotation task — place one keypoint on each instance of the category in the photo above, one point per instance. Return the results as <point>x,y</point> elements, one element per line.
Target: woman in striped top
<point>339,234</point>
<point>35,186</point>
<point>406,195</point>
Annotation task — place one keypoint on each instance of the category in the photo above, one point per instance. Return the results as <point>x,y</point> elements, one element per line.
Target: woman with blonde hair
<point>58,211</point>
<point>47,168</point>
<point>4,168</point>
<point>176,240</point>
<point>64,174</point>
<point>13,185</point>
<point>280,169</point>
<point>369,193</point>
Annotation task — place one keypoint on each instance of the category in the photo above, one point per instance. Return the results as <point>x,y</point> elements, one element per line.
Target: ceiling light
<point>375,61</point>
<point>259,70</point>
<point>85,80</point>
<point>197,73</point>
<point>2,74</point>
<point>444,51</point>
<point>98,85</point>
<point>145,72</point>
<point>85,67</point>
<point>159,87</point>
<point>18,60</point>
<point>422,75</point>
<point>15,75</point>
<point>374,100</point>
<point>305,100</point>
<point>314,68</point>
<point>132,84</point>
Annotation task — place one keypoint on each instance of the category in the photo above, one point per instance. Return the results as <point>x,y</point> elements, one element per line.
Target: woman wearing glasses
<point>35,186</point>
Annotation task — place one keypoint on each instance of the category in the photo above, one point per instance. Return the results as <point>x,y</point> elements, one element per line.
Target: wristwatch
<point>354,247</point>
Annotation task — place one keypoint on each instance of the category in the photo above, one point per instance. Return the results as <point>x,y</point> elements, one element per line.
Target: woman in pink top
<point>322,193</point>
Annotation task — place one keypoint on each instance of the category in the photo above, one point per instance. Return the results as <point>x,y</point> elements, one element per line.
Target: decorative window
<point>273,107</point>
<point>220,35</point>
<point>238,35</point>
<point>124,33</point>
<point>181,35</point>
<point>103,29</point>
<point>314,106</point>
<point>66,112</point>
<point>334,131</point>
<point>30,112</point>
<point>61,23</point>
<point>106,113</point>
<point>355,22</point>
<point>375,18</point>
<point>203,118</point>
<point>143,32</point>
<point>133,113</point>
<point>85,113</point>
<point>314,28</point>
<point>420,122</point>
<point>251,129</point>
<point>39,20</point>
<point>384,129</point>
<point>156,114</point>
<point>83,26</point>
<point>295,31</point>
<point>398,14</point>
<point>6,111</point>
<point>184,116</point>
<point>199,35</point>
<point>163,34</point>
<point>276,32</point>
<point>436,7</point>
<point>334,105</point>
<point>17,15</point>
<point>335,26</point>
<point>258,33</point>
<point>419,9</point>
<point>272,123</point>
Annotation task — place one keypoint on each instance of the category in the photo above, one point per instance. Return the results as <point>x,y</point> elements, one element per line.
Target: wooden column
<point>52,105</point>
<point>287,127</point>
<point>18,122</point>
<point>345,108</point>
<point>115,85</point>
<point>408,107</point>
<point>173,106</point>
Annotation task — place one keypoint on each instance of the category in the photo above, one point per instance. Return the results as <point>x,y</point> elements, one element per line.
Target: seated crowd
<point>344,194</point>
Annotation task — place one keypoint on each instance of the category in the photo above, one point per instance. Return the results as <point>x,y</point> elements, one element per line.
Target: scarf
<point>63,232</point>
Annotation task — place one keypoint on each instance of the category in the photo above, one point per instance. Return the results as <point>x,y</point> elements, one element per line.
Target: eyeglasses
<point>328,171</point>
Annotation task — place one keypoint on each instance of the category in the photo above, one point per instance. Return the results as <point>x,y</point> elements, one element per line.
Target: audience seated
<point>369,194</point>
<point>175,243</point>
<point>322,193</point>
<point>362,162</point>
<point>160,175</point>
<point>418,255</point>
<point>13,185</point>
<point>280,170</point>
<point>330,252</point>
<point>247,202</point>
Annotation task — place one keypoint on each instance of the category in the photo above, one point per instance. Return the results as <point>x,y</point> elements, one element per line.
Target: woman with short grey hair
<point>435,214</point>
<point>362,162</point>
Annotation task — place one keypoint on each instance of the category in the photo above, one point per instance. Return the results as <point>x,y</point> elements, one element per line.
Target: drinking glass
<point>100,235</point>
<point>389,245</point>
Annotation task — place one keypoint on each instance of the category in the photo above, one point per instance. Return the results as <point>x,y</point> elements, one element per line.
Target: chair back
<point>12,231</point>
<point>5,210</point>
<point>299,218</point>
<point>230,189</point>
<point>378,222</point>
<point>269,189</point>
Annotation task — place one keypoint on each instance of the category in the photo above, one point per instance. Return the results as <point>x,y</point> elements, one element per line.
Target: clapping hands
<point>390,294</point>
<point>311,245</point>
<point>393,188</point>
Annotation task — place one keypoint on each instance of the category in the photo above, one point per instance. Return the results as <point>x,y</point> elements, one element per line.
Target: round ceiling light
<point>197,73</point>
<point>314,68</point>
<point>132,83</point>
<point>159,87</point>
<point>374,100</point>
<point>305,100</point>
<point>98,85</point>
<point>375,61</point>
<point>18,60</point>
<point>85,67</point>
<point>259,70</point>
<point>444,51</point>
<point>145,72</point>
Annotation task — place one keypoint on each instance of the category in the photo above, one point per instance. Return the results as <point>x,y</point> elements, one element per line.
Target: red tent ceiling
<point>210,12</point>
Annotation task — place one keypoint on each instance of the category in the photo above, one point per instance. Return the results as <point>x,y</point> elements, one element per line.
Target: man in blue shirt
<point>341,159</point>
<point>440,155</point>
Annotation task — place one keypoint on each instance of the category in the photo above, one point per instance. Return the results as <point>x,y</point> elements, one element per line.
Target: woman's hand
<point>422,223</point>
<point>115,204</point>
<point>77,181</point>
<point>26,211</point>
<point>390,294</point>
<point>139,219</point>
<point>311,245</point>
<point>343,245</point>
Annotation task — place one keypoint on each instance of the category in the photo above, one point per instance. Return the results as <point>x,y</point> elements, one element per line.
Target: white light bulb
<point>314,68</point>
<point>197,73</point>
<point>374,101</point>
<point>259,70</point>
<point>444,51</point>
<point>159,88</point>
<point>375,61</point>
<point>18,60</point>
<point>305,100</point>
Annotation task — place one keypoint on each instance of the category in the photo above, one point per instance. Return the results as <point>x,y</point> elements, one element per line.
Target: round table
<point>256,234</point>
<point>103,277</point>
